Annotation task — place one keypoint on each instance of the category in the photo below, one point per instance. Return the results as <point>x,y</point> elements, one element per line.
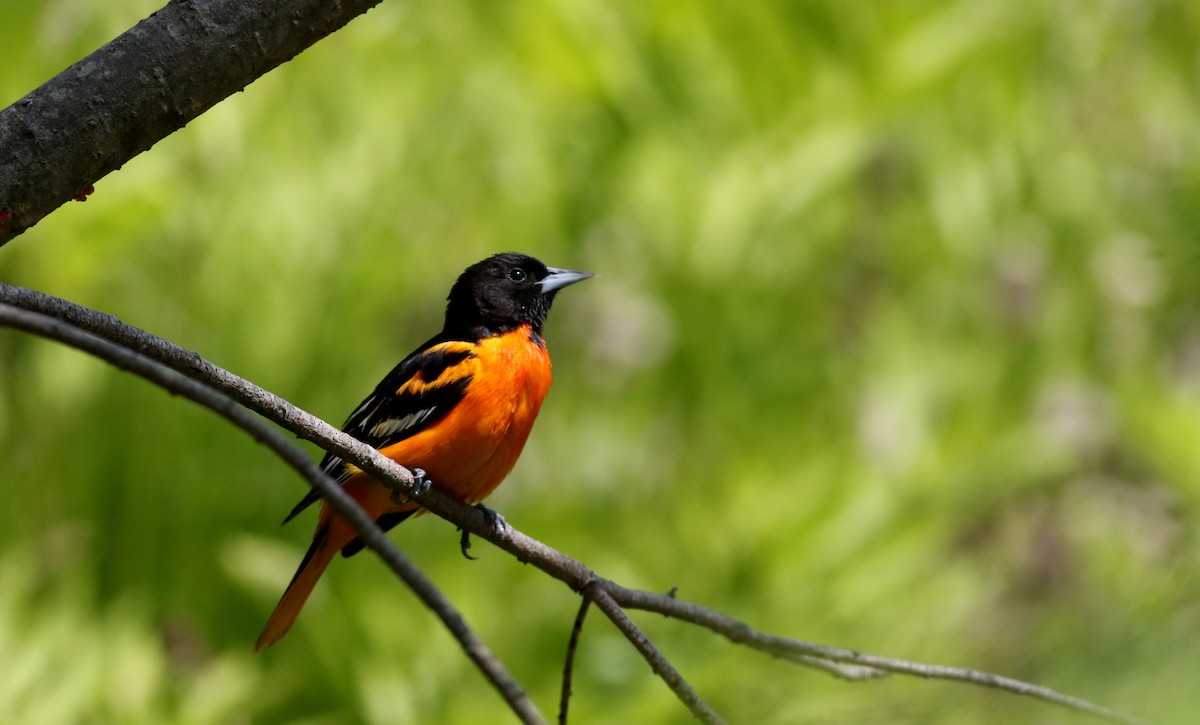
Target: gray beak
<point>559,278</point>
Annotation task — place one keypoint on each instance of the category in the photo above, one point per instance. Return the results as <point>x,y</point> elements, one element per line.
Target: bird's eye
<point>516,274</point>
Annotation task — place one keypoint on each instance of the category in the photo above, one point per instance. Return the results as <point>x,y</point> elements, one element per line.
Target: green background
<point>895,347</point>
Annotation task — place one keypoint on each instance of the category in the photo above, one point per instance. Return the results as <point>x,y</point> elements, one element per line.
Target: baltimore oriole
<point>459,408</point>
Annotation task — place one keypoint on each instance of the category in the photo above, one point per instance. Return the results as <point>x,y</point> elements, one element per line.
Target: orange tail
<point>333,533</point>
<point>320,553</point>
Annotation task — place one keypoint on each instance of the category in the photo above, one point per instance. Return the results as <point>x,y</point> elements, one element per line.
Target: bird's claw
<point>464,543</point>
<point>495,521</point>
<point>420,484</point>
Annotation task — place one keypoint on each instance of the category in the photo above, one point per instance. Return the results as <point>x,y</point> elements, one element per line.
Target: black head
<point>503,292</point>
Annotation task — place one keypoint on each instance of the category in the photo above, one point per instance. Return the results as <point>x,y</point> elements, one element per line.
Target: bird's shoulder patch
<point>417,393</point>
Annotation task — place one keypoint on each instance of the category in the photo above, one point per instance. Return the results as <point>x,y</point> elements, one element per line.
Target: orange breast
<point>470,451</point>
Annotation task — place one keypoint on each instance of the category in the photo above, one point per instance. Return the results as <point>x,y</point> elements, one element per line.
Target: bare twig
<point>525,549</point>
<point>569,665</point>
<point>797,650</point>
<point>658,663</point>
<point>300,461</point>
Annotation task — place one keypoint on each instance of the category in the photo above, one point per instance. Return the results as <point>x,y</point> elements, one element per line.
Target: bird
<point>457,411</point>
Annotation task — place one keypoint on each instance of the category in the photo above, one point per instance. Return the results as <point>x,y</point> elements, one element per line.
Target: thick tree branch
<point>524,548</point>
<point>299,460</point>
<point>138,89</point>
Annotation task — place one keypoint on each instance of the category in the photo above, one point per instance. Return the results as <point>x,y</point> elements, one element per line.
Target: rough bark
<point>147,83</point>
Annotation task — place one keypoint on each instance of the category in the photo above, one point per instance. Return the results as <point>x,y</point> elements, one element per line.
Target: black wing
<point>417,393</point>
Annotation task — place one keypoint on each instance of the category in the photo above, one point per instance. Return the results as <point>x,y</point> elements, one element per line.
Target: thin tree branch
<point>558,565</point>
<point>279,411</point>
<point>657,661</point>
<point>170,380</point>
<point>564,701</point>
<point>797,650</point>
<point>141,87</point>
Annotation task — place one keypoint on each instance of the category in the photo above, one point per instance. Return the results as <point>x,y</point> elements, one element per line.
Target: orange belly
<point>470,451</point>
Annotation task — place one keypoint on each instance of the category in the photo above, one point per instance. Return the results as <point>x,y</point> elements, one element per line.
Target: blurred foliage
<point>895,347</point>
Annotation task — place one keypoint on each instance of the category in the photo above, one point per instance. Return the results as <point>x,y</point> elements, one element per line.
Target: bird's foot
<point>420,485</point>
<point>495,521</point>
